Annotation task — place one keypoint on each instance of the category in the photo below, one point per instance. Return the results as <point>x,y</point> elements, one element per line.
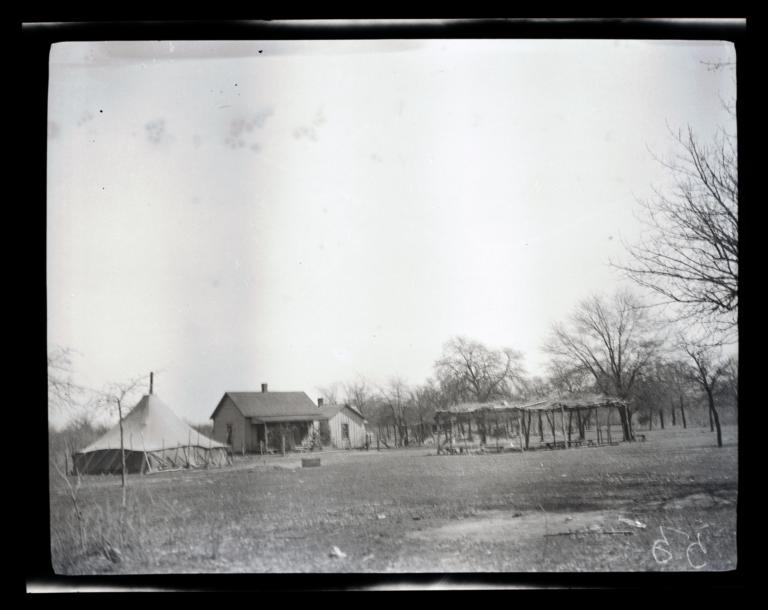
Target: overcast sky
<point>300,213</point>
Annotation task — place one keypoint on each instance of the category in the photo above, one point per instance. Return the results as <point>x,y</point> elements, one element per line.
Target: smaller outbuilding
<point>344,427</point>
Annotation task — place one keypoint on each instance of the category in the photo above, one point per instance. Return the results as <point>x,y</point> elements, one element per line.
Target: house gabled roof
<point>273,406</point>
<point>331,410</point>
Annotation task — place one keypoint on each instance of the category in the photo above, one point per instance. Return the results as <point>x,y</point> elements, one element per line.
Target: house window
<point>229,434</point>
<point>345,432</point>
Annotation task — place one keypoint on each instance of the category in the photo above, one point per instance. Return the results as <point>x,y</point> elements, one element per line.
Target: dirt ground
<point>667,504</point>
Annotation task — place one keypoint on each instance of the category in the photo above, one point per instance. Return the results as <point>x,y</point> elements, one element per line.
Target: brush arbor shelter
<point>154,439</point>
<point>552,423</point>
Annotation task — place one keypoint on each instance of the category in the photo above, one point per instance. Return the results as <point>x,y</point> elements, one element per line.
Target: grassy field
<point>665,504</point>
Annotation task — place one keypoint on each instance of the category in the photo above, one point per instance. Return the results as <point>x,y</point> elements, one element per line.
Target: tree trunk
<point>661,418</point>
<point>528,430</point>
<point>674,420</point>
<point>650,419</point>
<point>541,429</point>
<point>580,424</point>
<point>711,421</point>
<point>625,423</point>
<point>682,412</point>
<point>713,414</point>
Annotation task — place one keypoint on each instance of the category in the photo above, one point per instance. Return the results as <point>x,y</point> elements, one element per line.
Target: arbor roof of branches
<point>567,402</point>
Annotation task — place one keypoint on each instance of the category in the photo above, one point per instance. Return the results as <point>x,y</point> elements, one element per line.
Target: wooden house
<point>257,422</point>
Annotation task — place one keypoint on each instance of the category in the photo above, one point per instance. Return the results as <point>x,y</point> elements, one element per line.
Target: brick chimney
<point>319,402</point>
<point>264,388</point>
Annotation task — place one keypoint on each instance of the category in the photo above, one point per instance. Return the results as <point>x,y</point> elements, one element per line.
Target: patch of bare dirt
<point>495,525</point>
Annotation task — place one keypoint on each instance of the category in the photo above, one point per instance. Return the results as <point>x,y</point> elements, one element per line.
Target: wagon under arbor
<point>551,423</point>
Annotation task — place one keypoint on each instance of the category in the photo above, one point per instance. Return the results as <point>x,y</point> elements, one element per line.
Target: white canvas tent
<point>154,439</point>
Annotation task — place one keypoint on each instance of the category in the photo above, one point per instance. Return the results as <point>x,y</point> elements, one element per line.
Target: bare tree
<point>396,396</point>
<point>691,254</point>
<point>652,392</point>
<point>677,378</point>
<point>330,393</point>
<point>567,377</point>
<point>359,395</point>
<point>471,371</point>
<point>731,378</point>
<point>535,387</point>
<point>117,396</point>
<point>708,370</point>
<point>427,399</point>
<point>613,340</point>
<point>64,395</point>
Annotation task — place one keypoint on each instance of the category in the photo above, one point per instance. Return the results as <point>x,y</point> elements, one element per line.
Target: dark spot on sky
<point>235,84</point>
<point>155,130</point>
<point>259,50</point>
<point>240,127</point>
<point>86,116</point>
<point>101,110</point>
<point>305,132</point>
